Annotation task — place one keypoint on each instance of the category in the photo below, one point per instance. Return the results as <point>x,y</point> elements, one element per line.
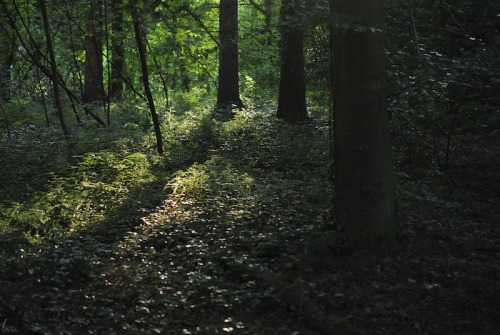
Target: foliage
<point>137,256</point>
<point>94,191</point>
<point>444,90</point>
<point>99,233</point>
<point>214,177</point>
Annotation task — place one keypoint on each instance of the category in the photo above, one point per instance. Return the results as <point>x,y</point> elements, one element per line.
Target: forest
<point>258,167</point>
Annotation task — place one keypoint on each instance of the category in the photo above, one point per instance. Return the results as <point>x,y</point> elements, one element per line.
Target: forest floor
<point>226,237</point>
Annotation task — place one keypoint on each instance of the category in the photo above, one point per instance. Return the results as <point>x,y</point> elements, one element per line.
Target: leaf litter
<point>216,257</point>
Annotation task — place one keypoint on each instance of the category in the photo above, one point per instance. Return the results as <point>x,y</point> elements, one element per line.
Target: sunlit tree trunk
<point>365,204</point>
<point>292,90</point>
<point>93,82</point>
<point>228,91</point>
<point>117,48</point>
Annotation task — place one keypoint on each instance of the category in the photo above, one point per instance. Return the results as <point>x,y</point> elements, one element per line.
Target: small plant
<point>216,177</point>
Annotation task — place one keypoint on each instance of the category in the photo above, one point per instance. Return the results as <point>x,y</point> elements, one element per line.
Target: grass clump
<point>215,177</point>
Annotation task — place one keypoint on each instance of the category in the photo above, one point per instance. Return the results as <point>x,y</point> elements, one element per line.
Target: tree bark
<point>292,90</point>
<point>228,91</point>
<point>117,49</point>
<point>7,52</point>
<point>145,78</point>
<point>365,203</point>
<point>53,66</point>
<point>93,82</point>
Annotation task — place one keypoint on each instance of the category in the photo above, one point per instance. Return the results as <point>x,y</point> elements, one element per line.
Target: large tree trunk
<point>117,48</point>
<point>365,204</point>
<point>228,91</point>
<point>292,90</point>
<point>93,87</point>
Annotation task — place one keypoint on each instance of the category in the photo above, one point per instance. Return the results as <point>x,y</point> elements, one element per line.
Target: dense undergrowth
<point>224,234</point>
<point>101,235</point>
<point>57,187</point>
<point>108,187</point>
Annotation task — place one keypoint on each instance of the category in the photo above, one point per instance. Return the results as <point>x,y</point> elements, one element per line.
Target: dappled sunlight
<point>135,236</point>
<point>95,190</point>
<point>214,237</point>
<point>200,167</point>
<point>216,176</point>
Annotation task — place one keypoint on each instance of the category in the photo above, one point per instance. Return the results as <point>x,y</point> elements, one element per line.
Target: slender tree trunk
<point>117,48</point>
<point>42,98</point>
<point>365,203</point>
<point>228,93</point>
<point>145,77</point>
<point>6,121</point>
<point>93,86</point>
<point>7,60</point>
<point>292,90</point>
<point>32,54</point>
<point>53,66</point>
<point>185,82</point>
<point>163,81</point>
<point>7,52</point>
<point>77,73</point>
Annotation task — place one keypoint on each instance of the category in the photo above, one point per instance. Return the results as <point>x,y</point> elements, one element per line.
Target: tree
<point>53,66</point>
<point>292,89</point>
<point>365,204</point>
<point>93,87</point>
<point>117,48</point>
<point>228,93</point>
<point>7,53</point>
<point>145,76</point>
